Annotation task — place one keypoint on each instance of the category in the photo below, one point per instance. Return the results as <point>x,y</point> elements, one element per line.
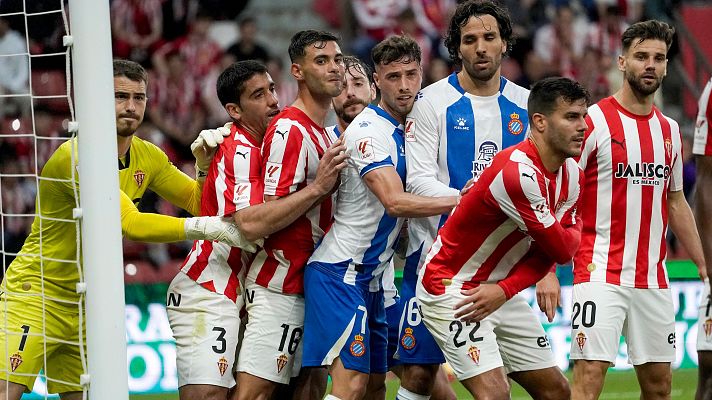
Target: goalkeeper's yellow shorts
<point>27,343</point>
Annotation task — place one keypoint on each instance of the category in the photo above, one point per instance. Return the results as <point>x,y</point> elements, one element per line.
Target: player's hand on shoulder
<point>206,144</point>
<point>548,295</point>
<point>330,165</point>
<point>480,302</point>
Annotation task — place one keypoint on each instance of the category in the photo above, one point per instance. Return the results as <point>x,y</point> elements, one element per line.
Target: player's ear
<point>539,122</point>
<point>375,80</point>
<point>296,71</point>
<point>621,63</point>
<point>234,111</point>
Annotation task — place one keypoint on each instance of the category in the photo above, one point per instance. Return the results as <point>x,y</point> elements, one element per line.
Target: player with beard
<point>632,160</point>
<point>357,94</point>
<point>345,271</point>
<point>457,126</point>
<point>292,146</point>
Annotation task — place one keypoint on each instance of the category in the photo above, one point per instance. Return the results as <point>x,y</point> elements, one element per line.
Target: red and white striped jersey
<point>291,151</point>
<point>234,182</point>
<point>489,235</point>
<point>630,162</point>
<point>703,127</point>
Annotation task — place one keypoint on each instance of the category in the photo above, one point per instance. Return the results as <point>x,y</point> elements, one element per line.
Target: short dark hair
<point>231,82</point>
<point>352,63</point>
<point>651,29</point>
<point>131,70</point>
<point>546,92</point>
<point>475,8</point>
<point>303,39</point>
<point>398,48</point>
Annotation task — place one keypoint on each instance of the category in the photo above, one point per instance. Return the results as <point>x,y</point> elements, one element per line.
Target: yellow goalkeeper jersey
<point>50,251</point>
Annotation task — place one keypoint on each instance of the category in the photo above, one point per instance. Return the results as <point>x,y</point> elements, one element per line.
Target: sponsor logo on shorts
<point>357,348</point>
<point>708,327</point>
<point>408,340</point>
<point>671,339</point>
<point>542,341</point>
<point>15,361</point>
<point>581,340</point>
<point>474,354</point>
<point>281,362</point>
<point>139,176</point>
<point>515,125</point>
<point>222,365</point>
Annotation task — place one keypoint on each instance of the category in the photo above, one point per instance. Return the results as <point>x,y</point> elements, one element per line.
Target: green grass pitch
<point>619,386</point>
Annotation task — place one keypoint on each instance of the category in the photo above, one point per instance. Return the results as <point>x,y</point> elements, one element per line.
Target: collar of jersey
<point>128,160</point>
<point>378,110</point>
<point>452,80</point>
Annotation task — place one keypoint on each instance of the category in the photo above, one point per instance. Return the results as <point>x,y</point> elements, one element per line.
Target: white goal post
<point>99,198</point>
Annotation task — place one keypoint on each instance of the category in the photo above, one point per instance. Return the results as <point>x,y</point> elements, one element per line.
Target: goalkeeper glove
<point>222,229</point>
<point>205,146</point>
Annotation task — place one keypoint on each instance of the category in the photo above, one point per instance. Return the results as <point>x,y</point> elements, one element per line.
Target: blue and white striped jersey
<point>359,244</point>
<point>451,136</point>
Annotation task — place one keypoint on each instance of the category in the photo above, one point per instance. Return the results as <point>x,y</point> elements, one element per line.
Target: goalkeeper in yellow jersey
<point>40,318</point>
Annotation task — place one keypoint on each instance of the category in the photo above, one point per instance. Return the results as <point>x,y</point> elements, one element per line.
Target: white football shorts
<point>602,312</point>
<point>271,346</point>
<point>206,327</point>
<point>512,337</point>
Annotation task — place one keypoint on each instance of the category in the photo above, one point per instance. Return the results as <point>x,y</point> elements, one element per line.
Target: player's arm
<point>279,209</point>
<point>682,223</point>
<point>421,152</point>
<point>157,228</point>
<point>527,204</point>
<point>385,183</point>
<point>703,206</point>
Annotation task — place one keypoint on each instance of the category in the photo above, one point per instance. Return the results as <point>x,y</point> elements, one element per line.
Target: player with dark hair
<point>40,304</point>
<point>293,144</point>
<point>632,159</point>
<point>525,208</point>
<point>208,288</point>
<point>457,126</point>
<point>346,269</point>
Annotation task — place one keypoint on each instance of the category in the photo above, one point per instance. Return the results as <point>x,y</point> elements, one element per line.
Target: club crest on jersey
<point>15,361</point>
<point>408,340</point>
<point>139,176</point>
<point>281,362</point>
<point>409,130</point>
<point>708,327</point>
<point>357,348</point>
<point>515,125</point>
<point>581,340</point>
<point>474,354</point>
<point>222,365</point>
<point>364,148</point>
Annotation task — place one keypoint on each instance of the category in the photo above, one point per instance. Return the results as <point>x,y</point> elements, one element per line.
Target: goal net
<point>53,235</point>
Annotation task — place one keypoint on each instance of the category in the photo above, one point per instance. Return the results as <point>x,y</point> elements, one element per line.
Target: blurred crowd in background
<point>185,44</point>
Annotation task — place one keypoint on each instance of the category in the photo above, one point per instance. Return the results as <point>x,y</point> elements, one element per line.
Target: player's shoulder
<point>59,163</point>
<point>371,122</point>
<point>146,154</point>
<point>440,93</point>
<point>514,93</point>
<point>290,121</point>
<point>241,138</point>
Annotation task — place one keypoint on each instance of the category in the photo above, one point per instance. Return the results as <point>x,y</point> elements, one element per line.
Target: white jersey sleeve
<point>422,138</point>
<point>368,148</point>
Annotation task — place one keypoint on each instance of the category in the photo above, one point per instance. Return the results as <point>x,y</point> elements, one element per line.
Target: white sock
<point>405,394</point>
<point>331,397</point>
